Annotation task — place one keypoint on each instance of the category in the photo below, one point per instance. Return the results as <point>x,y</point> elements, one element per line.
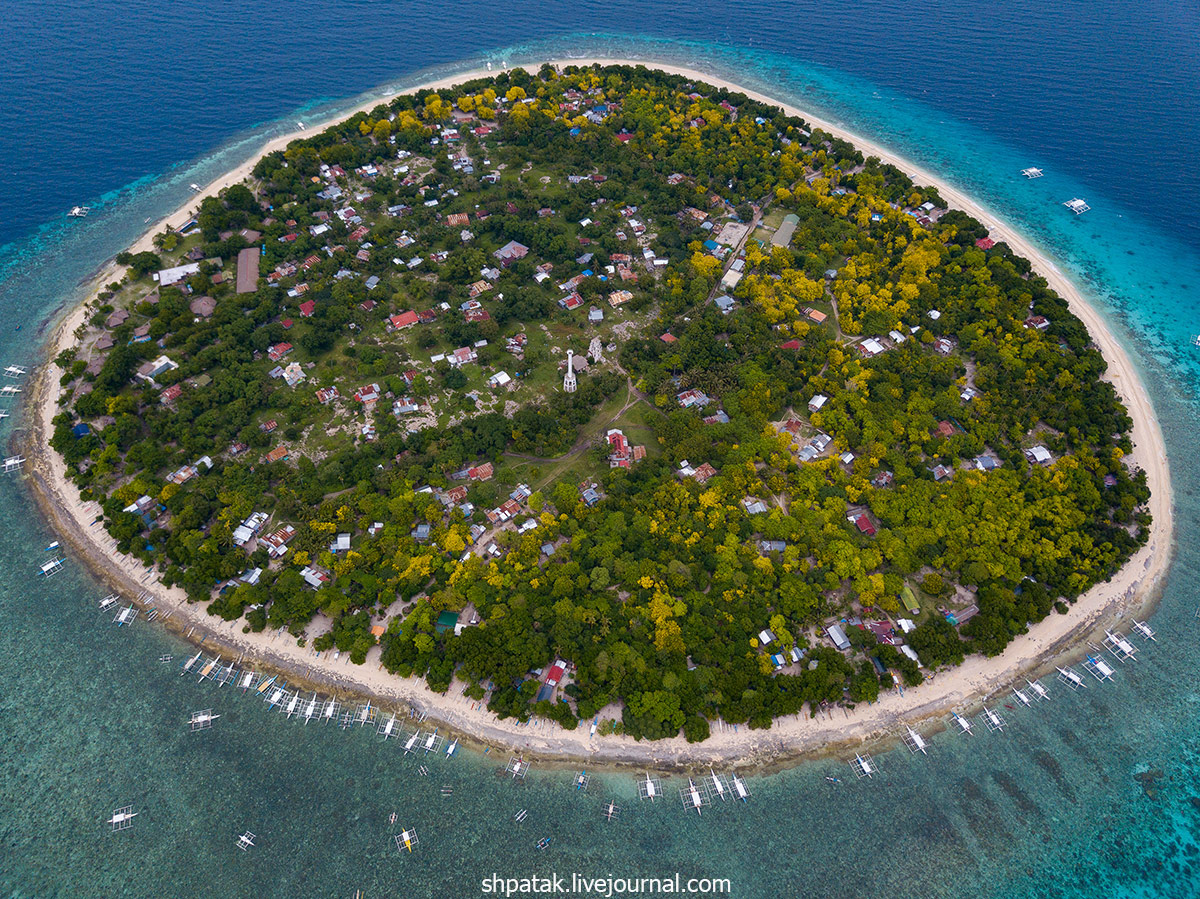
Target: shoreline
<point>1133,589</point>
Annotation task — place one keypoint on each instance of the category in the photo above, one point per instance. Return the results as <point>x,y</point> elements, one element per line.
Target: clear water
<point>123,111</point>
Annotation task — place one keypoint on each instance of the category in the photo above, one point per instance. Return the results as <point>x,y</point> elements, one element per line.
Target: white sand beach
<point>1128,592</point>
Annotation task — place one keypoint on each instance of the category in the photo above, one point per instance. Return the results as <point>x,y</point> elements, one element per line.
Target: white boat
<point>1032,173</point>
<point>963,724</point>
<point>196,187</point>
<point>300,125</point>
<point>1146,632</point>
<point>1038,690</point>
<point>1020,697</point>
<point>739,787</point>
<point>453,746</point>
<point>79,212</point>
<point>122,818</point>
<point>1077,206</point>
<point>412,741</point>
<point>245,841</point>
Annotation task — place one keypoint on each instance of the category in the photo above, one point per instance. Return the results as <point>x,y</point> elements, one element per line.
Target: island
<point>600,394</point>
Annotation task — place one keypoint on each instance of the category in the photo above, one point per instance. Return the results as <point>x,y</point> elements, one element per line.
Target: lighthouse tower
<point>569,379</point>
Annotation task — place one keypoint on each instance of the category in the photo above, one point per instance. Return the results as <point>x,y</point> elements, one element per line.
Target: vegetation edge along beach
<point>978,676</point>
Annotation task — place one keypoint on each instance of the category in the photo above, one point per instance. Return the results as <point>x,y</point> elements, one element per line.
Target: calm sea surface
<point>121,106</point>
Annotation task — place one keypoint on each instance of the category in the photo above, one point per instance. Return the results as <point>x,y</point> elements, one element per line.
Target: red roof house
<point>307,308</point>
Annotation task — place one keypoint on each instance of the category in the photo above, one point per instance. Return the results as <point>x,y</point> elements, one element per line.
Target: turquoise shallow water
<point>89,720</point>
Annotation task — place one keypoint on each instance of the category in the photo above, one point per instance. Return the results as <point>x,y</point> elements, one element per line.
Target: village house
<point>510,253</point>
<point>277,541</point>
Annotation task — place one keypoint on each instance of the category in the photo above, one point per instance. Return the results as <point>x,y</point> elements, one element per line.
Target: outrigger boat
<point>109,601</point>
<point>79,212</point>
<point>202,720</point>
<point>411,742</point>
<point>122,818</point>
<point>650,788</point>
<point>718,784</point>
<point>387,728</point>
<point>1144,630</point>
<point>740,790</point>
<point>406,840</point>
<point>264,685</point>
<point>450,748</point>
<point>611,811</point>
<point>246,841</point>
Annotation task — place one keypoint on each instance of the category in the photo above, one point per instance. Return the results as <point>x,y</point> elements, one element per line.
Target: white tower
<point>569,380</point>
<point>595,351</point>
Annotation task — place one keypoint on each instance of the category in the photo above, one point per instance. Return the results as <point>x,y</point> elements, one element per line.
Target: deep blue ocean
<point>120,106</point>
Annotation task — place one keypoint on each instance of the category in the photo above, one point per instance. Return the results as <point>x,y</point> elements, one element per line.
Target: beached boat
<point>196,187</point>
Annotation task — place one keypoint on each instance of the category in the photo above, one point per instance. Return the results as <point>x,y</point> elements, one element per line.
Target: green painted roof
<point>910,601</point>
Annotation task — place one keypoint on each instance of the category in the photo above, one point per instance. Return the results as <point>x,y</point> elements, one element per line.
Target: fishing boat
<point>387,728</point>
<point>718,784</point>
<point>1071,678</point>
<point>14,463</point>
<point>79,212</point>
<point>433,741</point>
<point>964,726</point>
<point>451,747</point>
<point>202,720</point>
<point>196,187</point>
<point>992,720</point>
<point>406,840</point>
<point>1035,687</point>
<point>581,781</point>
<point>207,669</point>
<point>1144,630</point>
<point>694,796</point>
<point>863,766</point>
<point>122,818</point>
<point>246,680</point>
<point>1077,206</point>
<point>1032,173</point>
<point>521,815</point>
<point>1019,696</point>
<point>543,843</point>
<point>611,811</point>
<point>740,790</point>
<point>310,710</point>
<point>411,742</point>
<point>329,710</point>
<point>1119,646</point>
<point>245,842</point>
<point>109,601</point>
<point>300,125</point>
<point>16,371</point>
<point>915,742</point>
<point>517,767</point>
<point>126,616</point>
<point>650,788</point>
<point>264,685</point>
<point>292,703</point>
<point>189,664</point>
